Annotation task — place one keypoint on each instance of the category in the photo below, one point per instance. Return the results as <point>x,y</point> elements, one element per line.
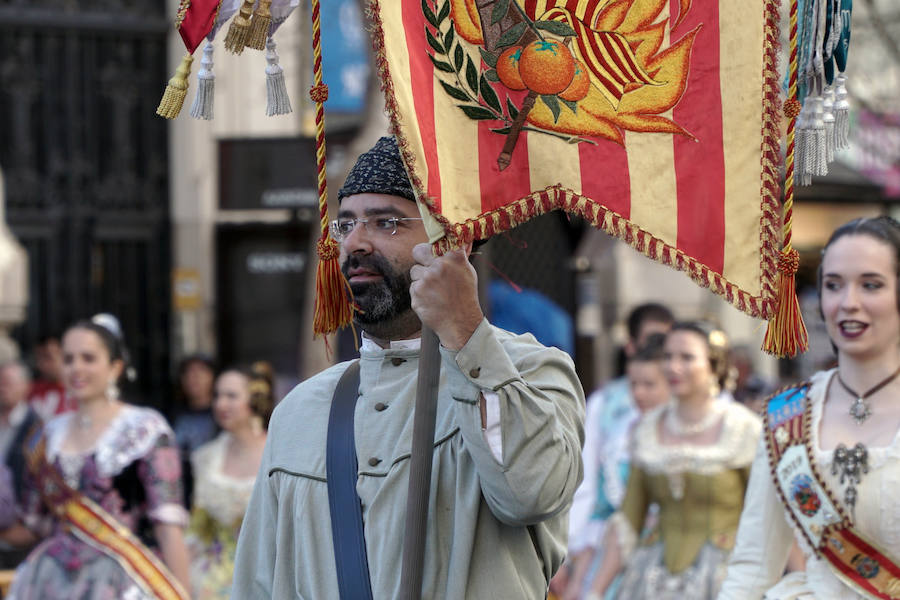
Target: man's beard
<point>379,302</point>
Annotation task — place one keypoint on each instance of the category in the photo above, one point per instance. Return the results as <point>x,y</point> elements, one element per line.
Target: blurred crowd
<point>195,468</point>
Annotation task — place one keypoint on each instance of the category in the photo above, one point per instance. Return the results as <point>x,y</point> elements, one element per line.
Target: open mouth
<point>852,329</point>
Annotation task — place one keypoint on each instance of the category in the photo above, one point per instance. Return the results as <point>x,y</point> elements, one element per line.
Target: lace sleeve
<point>160,474</point>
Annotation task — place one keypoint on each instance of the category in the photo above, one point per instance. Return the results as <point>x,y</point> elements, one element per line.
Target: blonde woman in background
<point>224,472</point>
<point>692,458</point>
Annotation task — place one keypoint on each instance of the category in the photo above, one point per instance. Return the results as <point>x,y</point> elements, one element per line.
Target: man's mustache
<point>370,262</point>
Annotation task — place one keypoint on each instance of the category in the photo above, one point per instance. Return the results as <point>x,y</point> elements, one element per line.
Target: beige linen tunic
<point>496,529</point>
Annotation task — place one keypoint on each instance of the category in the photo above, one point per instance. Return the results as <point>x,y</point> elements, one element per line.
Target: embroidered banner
<point>656,120</point>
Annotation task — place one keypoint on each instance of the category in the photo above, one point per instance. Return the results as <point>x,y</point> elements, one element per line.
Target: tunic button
<point>373,462</point>
<point>397,361</point>
<point>380,406</point>
<point>474,373</point>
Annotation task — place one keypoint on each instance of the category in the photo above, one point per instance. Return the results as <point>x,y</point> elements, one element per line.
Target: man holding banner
<point>507,444</point>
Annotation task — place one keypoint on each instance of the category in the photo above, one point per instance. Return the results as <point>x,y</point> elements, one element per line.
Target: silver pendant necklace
<point>860,409</point>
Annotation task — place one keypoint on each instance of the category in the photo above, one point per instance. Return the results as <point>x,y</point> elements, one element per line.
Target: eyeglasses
<point>341,228</point>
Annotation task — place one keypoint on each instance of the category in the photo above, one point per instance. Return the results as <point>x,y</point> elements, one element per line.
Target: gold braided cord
<point>792,124</point>
<point>334,299</point>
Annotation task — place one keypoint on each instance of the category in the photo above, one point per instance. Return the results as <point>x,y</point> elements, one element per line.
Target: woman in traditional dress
<point>692,458</point>
<point>225,470</point>
<point>104,486</point>
<point>827,472</point>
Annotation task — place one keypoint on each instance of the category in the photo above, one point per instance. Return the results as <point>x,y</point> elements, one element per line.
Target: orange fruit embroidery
<point>580,85</point>
<point>508,68</point>
<point>546,67</point>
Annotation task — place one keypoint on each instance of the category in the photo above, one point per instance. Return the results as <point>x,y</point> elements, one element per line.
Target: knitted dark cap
<point>379,171</point>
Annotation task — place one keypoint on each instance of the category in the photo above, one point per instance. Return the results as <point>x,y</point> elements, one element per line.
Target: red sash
<point>88,521</point>
<point>825,523</point>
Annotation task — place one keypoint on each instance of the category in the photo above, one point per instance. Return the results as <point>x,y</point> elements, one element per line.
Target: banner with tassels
<point>253,25</point>
<point>658,121</point>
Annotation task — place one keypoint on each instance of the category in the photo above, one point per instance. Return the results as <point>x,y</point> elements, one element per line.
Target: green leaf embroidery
<point>502,130</point>
<point>445,10</point>
<point>491,75</point>
<point>441,65</point>
<point>455,92</point>
<point>511,109</point>
<point>458,56</point>
<point>429,15</point>
<point>489,95</point>
<point>573,106</point>
<point>552,103</point>
<point>556,28</point>
<point>448,37</point>
<point>471,74</point>
<point>500,9</point>
<point>489,57</point>
<point>479,113</point>
<point>512,36</point>
<point>438,47</point>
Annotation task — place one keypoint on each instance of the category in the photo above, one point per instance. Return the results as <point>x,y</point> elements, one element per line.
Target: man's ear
<point>467,248</point>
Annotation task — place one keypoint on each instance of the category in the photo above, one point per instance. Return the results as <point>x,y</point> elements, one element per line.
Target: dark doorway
<point>261,276</point>
<point>85,162</point>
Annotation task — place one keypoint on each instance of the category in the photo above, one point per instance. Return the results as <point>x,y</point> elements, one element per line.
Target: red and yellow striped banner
<point>656,120</point>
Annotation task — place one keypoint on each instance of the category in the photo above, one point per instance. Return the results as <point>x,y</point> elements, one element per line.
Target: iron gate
<point>85,162</point>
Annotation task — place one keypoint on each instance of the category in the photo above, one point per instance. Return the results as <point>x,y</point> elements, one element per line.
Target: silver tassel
<point>841,113</point>
<point>828,118</point>
<point>803,147</point>
<point>819,163</point>
<point>277,100</point>
<point>202,108</point>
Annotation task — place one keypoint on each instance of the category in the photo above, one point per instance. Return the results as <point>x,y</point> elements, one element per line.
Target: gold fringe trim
<point>173,98</point>
<point>239,30</point>
<point>259,26</point>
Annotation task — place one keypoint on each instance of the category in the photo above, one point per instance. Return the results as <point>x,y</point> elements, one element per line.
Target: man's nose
<point>358,240</point>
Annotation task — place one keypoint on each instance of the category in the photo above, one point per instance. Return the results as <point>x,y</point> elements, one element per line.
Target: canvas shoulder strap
<point>346,510</point>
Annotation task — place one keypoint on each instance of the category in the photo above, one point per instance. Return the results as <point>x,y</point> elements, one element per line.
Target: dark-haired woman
<point>105,487</point>
<point>691,457</point>
<point>827,472</point>
<point>225,471</point>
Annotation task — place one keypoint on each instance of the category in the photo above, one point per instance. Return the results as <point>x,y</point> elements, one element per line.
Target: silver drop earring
<point>112,391</point>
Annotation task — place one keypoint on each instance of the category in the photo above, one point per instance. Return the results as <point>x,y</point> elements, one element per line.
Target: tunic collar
<point>369,344</point>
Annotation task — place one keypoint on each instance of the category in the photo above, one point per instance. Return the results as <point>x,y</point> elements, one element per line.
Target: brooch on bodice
<point>851,464</point>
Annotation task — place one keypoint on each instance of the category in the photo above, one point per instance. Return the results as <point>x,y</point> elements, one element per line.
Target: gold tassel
<point>786,334</point>
<point>334,299</point>
<point>239,29</point>
<point>176,90</point>
<point>259,26</point>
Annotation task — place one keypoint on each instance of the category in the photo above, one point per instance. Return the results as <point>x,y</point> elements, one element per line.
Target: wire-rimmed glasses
<point>341,228</point>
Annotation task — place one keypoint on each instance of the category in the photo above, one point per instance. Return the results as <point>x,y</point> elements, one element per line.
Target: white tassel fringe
<point>277,100</point>
<point>202,108</point>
